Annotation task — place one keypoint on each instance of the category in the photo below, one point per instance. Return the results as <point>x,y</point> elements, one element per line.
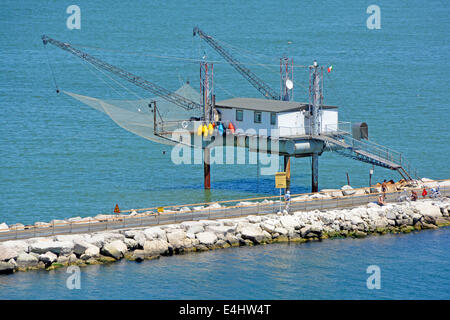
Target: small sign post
<point>280,182</point>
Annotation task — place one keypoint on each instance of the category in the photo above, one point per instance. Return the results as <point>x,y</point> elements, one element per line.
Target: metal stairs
<point>369,152</point>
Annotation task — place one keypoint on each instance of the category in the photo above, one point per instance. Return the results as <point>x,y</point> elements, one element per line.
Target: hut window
<point>273,118</point>
<point>239,115</point>
<point>257,116</point>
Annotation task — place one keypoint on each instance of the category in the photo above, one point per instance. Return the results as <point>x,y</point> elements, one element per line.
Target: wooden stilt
<point>207,168</point>
<point>287,169</point>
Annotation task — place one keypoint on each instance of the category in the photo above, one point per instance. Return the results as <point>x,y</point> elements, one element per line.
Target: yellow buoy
<point>205,130</point>
<point>210,129</point>
<point>199,130</point>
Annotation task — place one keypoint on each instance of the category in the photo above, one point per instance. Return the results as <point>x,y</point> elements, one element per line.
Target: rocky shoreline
<point>140,244</point>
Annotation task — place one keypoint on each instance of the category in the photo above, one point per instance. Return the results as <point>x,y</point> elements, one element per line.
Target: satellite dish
<point>289,84</point>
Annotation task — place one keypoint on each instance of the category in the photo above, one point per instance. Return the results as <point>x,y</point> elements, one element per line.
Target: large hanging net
<point>138,116</point>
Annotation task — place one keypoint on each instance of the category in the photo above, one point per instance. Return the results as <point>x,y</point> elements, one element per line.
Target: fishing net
<point>137,117</point>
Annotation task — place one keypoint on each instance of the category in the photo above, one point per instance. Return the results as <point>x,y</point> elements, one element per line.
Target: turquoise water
<point>411,267</point>
<point>60,158</point>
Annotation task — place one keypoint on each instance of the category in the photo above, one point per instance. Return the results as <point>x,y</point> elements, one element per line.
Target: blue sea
<point>60,158</point>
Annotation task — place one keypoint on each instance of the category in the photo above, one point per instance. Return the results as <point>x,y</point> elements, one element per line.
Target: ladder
<point>369,152</point>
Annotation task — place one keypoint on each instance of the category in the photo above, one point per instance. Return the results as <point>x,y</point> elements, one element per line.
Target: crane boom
<point>259,84</point>
<point>138,81</point>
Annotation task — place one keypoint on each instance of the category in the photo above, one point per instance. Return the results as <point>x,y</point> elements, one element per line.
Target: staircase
<point>369,152</point>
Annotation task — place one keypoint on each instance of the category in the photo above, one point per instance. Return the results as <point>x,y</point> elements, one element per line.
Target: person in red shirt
<point>424,192</point>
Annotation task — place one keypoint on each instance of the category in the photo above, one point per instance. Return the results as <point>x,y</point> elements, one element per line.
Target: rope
<point>51,69</point>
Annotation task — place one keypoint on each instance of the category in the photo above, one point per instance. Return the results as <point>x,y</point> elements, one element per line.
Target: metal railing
<point>147,217</point>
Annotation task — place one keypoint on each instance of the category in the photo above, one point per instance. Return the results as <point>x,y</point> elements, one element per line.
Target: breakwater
<point>138,244</point>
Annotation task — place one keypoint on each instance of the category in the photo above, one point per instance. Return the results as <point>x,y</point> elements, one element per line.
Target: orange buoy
<point>116,209</point>
<point>210,129</point>
<point>231,127</point>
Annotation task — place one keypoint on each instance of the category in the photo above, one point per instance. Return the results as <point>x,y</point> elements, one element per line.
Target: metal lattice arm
<point>259,84</point>
<point>138,81</point>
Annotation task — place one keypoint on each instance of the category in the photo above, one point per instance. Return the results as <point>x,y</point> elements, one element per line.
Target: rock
<point>58,247</point>
<point>140,238</point>
<point>48,257</point>
<point>221,229</point>
<point>290,222</point>
<point>207,238</point>
<point>115,249</point>
<point>7,267</point>
<point>131,244</point>
<point>268,227</point>
<point>91,252</point>
<point>232,240</point>
<point>348,190</point>
<point>214,206</point>
<point>253,233</point>
<point>42,224</point>
<point>155,233</point>
<point>427,209</point>
<point>97,240</point>
<point>74,219</point>
<point>185,209</point>
<point>253,219</point>
<point>112,236</point>
<point>58,223</point>
<point>131,233</point>
<point>7,253</point>
<point>80,246</point>
<point>25,260</point>
<point>17,226</point>
<point>4,227</point>
<point>155,247</point>
<point>176,238</point>
<point>391,215</point>
<point>196,229</point>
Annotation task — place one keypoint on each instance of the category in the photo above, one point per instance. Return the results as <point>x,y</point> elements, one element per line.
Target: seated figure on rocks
<point>381,201</point>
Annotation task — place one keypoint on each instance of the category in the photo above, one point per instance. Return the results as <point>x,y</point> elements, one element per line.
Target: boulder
<point>17,226</point>
<point>252,233</point>
<point>290,222</point>
<point>4,227</point>
<point>221,229</point>
<point>48,257</point>
<point>232,239</point>
<point>348,190</point>
<point>195,229</point>
<point>207,238</point>
<point>427,209</point>
<point>156,247</point>
<point>131,244</point>
<point>58,247</point>
<point>42,224</point>
<point>25,260</point>
<point>7,267</point>
<point>155,233</point>
<point>91,252</point>
<point>176,238</point>
<point>115,249</point>
<point>7,253</point>
<point>80,246</point>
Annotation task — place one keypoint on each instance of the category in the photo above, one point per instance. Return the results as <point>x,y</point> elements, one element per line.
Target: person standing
<point>424,192</point>
<point>287,200</point>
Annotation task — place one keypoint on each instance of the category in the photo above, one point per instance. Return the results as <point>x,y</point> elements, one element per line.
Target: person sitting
<point>413,195</point>
<point>381,201</point>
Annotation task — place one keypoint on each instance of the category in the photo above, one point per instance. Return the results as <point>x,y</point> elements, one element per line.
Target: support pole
<point>207,168</point>
<point>315,172</point>
<point>287,169</point>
